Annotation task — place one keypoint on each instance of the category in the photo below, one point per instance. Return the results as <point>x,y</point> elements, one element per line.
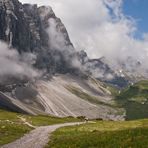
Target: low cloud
<point>14,65</point>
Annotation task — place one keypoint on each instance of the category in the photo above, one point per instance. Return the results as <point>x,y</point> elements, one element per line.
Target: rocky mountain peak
<point>29,28</point>
<point>37,30</point>
<point>39,40</point>
<point>46,12</point>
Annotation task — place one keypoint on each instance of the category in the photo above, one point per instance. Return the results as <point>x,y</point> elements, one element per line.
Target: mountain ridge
<point>64,87</point>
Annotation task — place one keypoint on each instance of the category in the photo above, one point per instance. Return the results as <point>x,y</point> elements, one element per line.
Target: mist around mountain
<point>43,73</point>
<point>42,42</point>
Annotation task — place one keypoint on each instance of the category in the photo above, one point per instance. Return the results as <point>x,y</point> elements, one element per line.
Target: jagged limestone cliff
<point>37,30</point>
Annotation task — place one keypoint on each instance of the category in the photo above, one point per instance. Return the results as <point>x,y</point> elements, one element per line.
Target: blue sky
<point>138,9</point>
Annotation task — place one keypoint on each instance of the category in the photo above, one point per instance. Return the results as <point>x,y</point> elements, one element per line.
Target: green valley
<point>135,100</point>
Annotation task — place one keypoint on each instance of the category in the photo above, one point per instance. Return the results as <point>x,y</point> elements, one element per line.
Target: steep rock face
<point>15,26</point>
<point>32,29</point>
<point>24,27</point>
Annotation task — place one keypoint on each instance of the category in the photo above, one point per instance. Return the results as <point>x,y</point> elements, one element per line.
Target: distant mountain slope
<point>135,100</point>
<point>64,95</point>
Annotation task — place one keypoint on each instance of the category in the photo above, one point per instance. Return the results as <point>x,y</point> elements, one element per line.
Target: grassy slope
<point>12,128</point>
<point>90,98</point>
<point>103,134</point>
<point>96,100</point>
<point>48,120</point>
<point>135,100</point>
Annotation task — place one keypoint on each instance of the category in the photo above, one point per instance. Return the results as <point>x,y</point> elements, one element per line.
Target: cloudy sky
<point>115,29</point>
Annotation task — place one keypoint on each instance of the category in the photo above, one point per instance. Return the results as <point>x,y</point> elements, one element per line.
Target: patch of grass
<point>103,134</point>
<point>142,84</point>
<point>135,100</point>
<point>41,120</point>
<point>136,110</point>
<point>138,90</point>
<point>6,115</point>
<point>11,131</point>
<point>12,127</point>
<point>114,91</point>
<point>87,97</point>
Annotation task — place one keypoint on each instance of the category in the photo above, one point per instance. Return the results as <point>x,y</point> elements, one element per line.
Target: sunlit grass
<point>12,127</point>
<point>103,134</point>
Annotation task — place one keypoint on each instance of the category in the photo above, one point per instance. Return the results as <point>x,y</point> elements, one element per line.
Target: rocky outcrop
<point>24,27</point>
<point>15,26</point>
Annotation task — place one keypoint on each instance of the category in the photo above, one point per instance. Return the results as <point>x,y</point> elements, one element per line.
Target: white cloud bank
<point>100,28</point>
<point>12,64</point>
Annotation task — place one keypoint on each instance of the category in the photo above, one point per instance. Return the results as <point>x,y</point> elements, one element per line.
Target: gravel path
<point>38,137</point>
